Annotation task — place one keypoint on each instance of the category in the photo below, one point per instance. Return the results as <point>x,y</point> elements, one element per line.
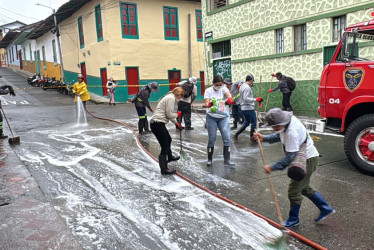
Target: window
<point>129,19</point>
<point>280,41</point>
<point>221,49</point>
<point>215,4</point>
<point>24,56</point>
<point>171,23</point>
<point>16,51</point>
<point>300,37</point>
<point>199,25</point>
<point>338,28</point>
<point>99,24</point>
<point>30,52</point>
<point>44,60</point>
<point>80,30</point>
<point>11,49</point>
<point>54,51</point>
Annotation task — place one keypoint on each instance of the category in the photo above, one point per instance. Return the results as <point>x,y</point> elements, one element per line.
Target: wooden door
<point>20,59</point>
<point>174,78</point>
<point>132,77</point>
<point>104,79</point>
<point>202,83</point>
<point>83,72</point>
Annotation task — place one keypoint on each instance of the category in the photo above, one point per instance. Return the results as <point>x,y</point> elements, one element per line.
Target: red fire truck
<point>346,94</point>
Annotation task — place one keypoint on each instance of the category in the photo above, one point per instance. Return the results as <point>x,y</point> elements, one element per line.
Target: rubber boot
<point>235,124</point>
<point>226,157</point>
<point>251,135</point>
<point>241,129</point>
<point>146,126</point>
<point>140,126</point>
<point>163,162</point>
<point>293,216</point>
<point>172,158</point>
<point>322,205</point>
<point>2,136</point>
<point>210,156</point>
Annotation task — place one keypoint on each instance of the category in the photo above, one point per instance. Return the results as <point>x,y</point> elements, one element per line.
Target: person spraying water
<point>81,97</point>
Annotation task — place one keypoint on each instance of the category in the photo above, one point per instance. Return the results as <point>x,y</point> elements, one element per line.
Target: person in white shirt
<point>292,134</point>
<point>218,116</point>
<point>111,88</point>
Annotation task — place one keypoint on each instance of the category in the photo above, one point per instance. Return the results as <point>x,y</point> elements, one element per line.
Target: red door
<point>83,72</point>
<point>174,78</point>
<point>104,79</point>
<point>132,76</point>
<point>202,82</point>
<point>20,59</point>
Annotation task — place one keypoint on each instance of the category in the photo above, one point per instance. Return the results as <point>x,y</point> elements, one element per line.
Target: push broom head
<point>14,140</point>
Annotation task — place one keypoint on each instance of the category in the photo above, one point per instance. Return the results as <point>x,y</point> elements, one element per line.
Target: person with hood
<point>141,101</point>
<point>111,88</point>
<point>4,90</point>
<point>218,116</point>
<point>184,105</point>
<point>247,103</point>
<point>292,134</point>
<point>80,89</point>
<point>286,92</point>
<point>162,115</point>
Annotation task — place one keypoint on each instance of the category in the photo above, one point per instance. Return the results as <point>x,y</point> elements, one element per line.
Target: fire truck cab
<point>346,94</point>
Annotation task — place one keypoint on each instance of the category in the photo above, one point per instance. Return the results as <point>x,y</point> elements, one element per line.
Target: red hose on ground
<point>273,223</point>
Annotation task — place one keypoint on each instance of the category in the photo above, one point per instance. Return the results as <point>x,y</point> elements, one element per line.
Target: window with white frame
<point>280,41</point>
<point>300,37</point>
<point>339,25</point>
<point>215,4</point>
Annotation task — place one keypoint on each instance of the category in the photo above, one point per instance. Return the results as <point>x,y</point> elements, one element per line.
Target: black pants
<point>286,101</point>
<point>142,112</point>
<point>162,135</point>
<point>185,107</point>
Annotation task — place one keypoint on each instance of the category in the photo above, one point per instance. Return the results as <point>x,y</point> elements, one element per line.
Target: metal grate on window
<point>215,4</point>
<point>221,49</point>
<point>339,26</point>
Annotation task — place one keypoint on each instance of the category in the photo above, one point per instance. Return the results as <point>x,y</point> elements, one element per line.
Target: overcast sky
<point>26,11</point>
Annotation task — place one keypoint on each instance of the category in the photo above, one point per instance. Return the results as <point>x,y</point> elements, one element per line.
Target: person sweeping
<point>161,116</point>
<point>292,134</point>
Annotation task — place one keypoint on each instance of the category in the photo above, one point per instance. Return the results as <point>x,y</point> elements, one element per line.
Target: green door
<point>222,67</point>
<point>328,53</point>
<point>37,62</point>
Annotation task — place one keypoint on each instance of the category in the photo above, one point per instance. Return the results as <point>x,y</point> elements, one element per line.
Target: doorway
<point>132,77</point>
<point>104,79</point>
<point>174,78</point>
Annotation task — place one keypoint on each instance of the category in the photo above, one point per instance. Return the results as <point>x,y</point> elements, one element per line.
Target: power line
<point>19,14</point>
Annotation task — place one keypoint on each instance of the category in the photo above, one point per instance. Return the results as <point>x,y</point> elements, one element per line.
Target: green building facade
<point>296,38</point>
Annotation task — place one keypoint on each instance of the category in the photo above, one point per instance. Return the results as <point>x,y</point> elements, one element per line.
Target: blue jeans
<point>250,118</point>
<point>224,127</point>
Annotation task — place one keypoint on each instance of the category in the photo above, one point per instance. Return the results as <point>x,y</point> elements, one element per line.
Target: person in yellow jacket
<point>80,89</point>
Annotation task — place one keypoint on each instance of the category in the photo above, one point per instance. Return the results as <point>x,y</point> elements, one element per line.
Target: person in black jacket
<point>141,102</point>
<point>283,87</point>
<point>4,90</point>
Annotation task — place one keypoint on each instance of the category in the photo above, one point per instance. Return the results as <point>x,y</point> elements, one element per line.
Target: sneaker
<point>114,104</point>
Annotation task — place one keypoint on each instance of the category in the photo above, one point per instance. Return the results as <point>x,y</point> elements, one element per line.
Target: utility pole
<point>57,31</point>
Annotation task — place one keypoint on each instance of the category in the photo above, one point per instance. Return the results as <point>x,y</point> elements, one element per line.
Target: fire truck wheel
<point>359,144</point>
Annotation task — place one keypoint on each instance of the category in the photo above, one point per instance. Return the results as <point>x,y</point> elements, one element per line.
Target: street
<point>111,195</point>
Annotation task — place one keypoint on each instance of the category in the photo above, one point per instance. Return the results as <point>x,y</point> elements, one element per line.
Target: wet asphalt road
<point>45,120</point>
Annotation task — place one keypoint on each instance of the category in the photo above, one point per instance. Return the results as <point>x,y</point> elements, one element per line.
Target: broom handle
<point>11,131</point>
<point>271,186</point>
<point>180,138</point>
<point>267,100</point>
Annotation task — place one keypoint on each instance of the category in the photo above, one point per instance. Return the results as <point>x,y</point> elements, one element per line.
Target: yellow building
<point>135,42</point>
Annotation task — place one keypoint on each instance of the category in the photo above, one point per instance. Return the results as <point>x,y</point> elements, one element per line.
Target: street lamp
<point>58,39</point>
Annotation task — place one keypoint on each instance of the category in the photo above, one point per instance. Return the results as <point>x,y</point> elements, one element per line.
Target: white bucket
<point>320,126</point>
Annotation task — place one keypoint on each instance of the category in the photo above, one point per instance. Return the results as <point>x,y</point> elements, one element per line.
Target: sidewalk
<point>28,220</point>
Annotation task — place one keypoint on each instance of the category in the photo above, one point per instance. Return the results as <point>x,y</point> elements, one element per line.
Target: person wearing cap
<point>80,90</point>
<point>111,88</point>
<point>141,101</point>
<point>184,105</point>
<point>292,134</point>
<point>162,115</point>
<point>247,103</point>
<point>217,116</point>
<point>286,92</point>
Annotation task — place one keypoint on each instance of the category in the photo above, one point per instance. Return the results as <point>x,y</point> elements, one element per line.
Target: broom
<point>279,243</point>
<point>14,139</point>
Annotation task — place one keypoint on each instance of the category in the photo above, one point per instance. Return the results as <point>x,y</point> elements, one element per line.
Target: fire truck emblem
<point>353,78</point>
